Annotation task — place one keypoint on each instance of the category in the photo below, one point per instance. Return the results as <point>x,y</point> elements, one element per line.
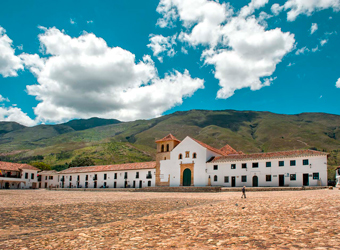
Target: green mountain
<point>111,141</point>
<point>82,124</point>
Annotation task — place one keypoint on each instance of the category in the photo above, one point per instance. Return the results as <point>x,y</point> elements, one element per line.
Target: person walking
<point>244,192</point>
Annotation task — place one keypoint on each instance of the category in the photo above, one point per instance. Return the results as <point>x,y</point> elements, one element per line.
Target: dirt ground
<point>41,219</point>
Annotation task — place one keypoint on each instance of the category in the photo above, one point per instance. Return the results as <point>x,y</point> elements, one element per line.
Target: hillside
<point>111,141</point>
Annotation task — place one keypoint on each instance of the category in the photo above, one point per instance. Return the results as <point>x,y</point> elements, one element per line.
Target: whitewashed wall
<point>46,182</point>
<point>110,180</point>
<point>172,166</point>
<point>25,182</point>
<point>337,177</point>
<point>317,164</point>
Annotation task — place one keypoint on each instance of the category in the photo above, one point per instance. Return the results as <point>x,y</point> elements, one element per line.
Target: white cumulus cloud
<point>82,77</point>
<point>295,8</point>
<point>313,28</point>
<point>303,50</point>
<point>15,114</point>
<point>323,42</point>
<point>3,99</point>
<point>243,53</point>
<point>251,7</point>
<point>206,17</point>
<point>276,9</point>
<point>337,84</point>
<point>161,45</point>
<point>9,62</point>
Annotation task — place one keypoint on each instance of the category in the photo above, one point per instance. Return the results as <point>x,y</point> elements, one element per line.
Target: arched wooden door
<point>255,181</point>
<point>187,177</point>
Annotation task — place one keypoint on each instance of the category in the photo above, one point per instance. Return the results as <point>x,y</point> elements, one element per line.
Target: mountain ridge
<point>110,141</point>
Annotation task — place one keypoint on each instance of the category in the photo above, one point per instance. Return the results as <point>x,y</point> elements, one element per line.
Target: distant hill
<point>82,124</point>
<point>6,127</point>
<point>112,141</point>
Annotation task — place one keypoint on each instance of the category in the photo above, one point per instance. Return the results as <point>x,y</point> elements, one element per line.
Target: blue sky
<point>61,60</point>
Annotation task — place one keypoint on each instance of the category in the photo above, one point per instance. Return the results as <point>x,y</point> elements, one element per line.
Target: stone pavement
<point>39,219</point>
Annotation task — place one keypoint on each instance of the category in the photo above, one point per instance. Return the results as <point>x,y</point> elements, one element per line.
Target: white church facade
<point>194,163</point>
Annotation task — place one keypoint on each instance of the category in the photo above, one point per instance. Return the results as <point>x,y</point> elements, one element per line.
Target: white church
<point>194,163</point>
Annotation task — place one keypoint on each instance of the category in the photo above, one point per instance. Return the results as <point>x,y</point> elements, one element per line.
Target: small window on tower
<point>180,156</point>
<point>162,148</point>
<point>167,147</point>
<point>187,154</point>
<point>194,155</point>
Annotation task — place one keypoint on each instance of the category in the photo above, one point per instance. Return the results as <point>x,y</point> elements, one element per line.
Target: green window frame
<point>281,163</point>
<point>268,164</point>
<point>316,176</point>
<point>268,177</point>
<point>244,165</point>
<point>255,164</point>
<point>293,177</point>
<point>243,178</point>
<point>305,162</point>
<point>233,166</point>
<point>293,162</point>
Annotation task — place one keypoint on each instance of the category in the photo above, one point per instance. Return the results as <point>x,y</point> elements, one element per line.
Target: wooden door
<point>187,177</point>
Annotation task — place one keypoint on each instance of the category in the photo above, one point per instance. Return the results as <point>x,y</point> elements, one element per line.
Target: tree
<point>81,161</point>
<point>41,165</point>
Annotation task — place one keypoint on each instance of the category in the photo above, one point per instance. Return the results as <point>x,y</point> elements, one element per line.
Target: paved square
<point>40,219</point>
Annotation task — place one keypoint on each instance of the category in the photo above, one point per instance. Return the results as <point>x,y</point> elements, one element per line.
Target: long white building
<point>337,176</point>
<point>194,163</point>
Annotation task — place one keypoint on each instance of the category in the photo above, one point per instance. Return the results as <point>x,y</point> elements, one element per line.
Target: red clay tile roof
<point>228,150</point>
<point>169,137</point>
<point>209,147</point>
<point>269,155</point>
<point>48,172</point>
<point>117,167</point>
<point>10,166</point>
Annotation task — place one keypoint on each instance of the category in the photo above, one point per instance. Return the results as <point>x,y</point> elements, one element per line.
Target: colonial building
<point>130,175</point>
<point>337,176</point>
<point>194,163</point>
<point>49,179</point>
<point>14,175</point>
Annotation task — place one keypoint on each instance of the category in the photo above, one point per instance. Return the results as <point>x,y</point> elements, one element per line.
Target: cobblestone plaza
<point>41,219</point>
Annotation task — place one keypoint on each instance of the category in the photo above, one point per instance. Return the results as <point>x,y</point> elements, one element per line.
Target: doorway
<point>255,181</point>
<point>187,177</point>
<point>305,179</point>
<point>281,180</point>
<point>95,185</point>
<point>140,184</point>
<point>233,181</point>
<point>6,185</point>
<point>134,184</point>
